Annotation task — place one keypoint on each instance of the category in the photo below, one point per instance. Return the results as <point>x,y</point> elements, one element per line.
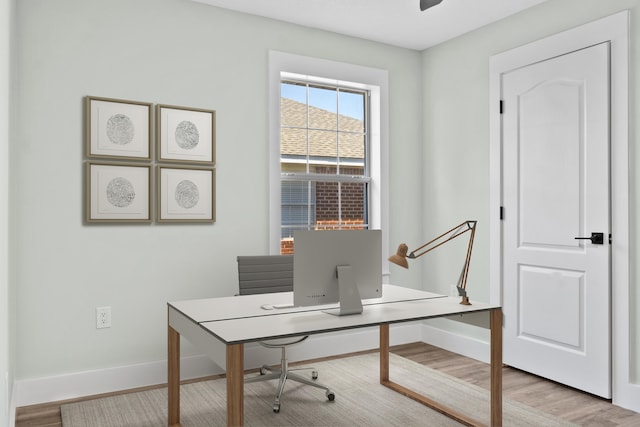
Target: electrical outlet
<point>103,317</point>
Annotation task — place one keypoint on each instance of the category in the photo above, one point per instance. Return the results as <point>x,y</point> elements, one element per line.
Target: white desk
<point>234,321</point>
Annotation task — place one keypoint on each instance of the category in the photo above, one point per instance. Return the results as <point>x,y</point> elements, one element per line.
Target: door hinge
<point>501,213</point>
<point>501,106</point>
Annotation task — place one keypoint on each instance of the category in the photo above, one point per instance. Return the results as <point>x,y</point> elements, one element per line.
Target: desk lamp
<point>400,257</point>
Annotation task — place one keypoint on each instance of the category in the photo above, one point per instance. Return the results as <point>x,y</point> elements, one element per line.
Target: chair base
<point>283,374</point>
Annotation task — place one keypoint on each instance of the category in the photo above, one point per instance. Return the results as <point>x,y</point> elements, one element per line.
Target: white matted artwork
<point>118,192</point>
<point>118,128</point>
<point>186,134</point>
<point>186,194</point>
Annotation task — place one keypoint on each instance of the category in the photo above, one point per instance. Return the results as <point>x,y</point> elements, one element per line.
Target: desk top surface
<point>233,307</point>
<point>241,319</point>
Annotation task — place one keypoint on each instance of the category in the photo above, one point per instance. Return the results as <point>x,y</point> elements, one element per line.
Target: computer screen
<point>337,266</point>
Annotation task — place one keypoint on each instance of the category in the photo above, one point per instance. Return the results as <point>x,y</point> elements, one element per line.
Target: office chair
<point>268,274</point>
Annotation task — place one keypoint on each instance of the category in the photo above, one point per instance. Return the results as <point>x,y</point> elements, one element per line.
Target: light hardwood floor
<point>547,396</point>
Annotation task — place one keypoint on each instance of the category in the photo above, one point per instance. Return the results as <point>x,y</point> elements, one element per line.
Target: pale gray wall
<point>6,370</point>
<point>162,51</point>
<point>184,53</point>
<point>455,78</point>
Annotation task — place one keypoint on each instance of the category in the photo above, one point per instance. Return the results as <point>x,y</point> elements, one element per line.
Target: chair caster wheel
<point>276,408</point>
<point>314,375</point>
<point>331,396</point>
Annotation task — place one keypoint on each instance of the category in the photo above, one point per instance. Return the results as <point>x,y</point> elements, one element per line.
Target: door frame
<point>613,29</point>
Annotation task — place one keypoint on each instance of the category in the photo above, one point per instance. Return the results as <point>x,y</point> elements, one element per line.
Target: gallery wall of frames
<point>139,173</point>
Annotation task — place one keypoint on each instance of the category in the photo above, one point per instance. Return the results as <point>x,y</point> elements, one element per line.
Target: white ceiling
<point>394,22</point>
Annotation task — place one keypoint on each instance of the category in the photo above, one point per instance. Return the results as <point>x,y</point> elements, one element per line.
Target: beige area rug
<point>360,401</point>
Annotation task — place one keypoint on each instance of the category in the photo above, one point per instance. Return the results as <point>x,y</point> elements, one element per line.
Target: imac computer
<point>337,266</point>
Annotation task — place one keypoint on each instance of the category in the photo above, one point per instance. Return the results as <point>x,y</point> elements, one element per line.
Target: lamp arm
<point>400,257</point>
<point>455,232</point>
<point>465,270</point>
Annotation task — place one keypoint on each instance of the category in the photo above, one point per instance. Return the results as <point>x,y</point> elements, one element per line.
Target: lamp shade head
<point>400,257</point>
<point>426,4</point>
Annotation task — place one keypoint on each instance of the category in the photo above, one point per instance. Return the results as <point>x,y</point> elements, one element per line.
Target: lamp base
<point>463,293</point>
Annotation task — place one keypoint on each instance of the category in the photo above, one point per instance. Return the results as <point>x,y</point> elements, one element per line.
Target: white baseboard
<point>12,408</point>
<point>627,395</point>
<point>89,383</point>
<point>456,343</point>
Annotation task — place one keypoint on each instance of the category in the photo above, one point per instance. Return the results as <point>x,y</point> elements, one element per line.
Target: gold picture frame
<point>118,192</point>
<point>185,194</point>
<point>117,128</point>
<point>185,135</point>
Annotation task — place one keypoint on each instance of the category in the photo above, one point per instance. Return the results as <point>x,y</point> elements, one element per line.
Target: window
<point>323,158</point>
<point>328,147</point>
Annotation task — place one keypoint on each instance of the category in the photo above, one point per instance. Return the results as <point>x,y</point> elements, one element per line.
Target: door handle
<point>596,238</point>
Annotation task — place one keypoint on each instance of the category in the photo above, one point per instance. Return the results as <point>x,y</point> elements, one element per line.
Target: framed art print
<point>117,128</point>
<point>185,194</point>
<point>186,134</point>
<point>118,192</point>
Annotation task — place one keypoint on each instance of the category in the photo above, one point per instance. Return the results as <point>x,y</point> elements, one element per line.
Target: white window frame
<point>374,80</point>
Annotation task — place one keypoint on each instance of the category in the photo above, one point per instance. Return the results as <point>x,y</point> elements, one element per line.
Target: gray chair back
<point>261,274</point>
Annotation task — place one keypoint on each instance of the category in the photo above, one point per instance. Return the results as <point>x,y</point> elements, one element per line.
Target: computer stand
<point>350,302</point>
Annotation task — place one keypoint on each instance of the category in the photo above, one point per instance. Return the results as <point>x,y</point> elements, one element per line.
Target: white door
<point>556,288</point>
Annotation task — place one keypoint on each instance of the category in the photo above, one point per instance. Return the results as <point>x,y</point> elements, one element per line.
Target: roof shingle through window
<point>326,130</point>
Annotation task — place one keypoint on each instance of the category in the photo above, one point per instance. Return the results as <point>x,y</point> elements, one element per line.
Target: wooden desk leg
<point>173,377</point>
<point>496,367</point>
<point>385,381</point>
<point>235,384</point>
<point>384,353</point>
